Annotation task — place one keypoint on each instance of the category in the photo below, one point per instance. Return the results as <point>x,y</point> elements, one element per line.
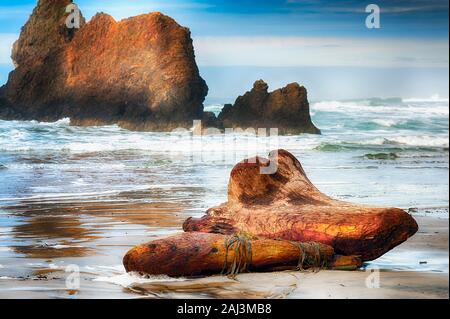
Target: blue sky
<point>412,18</point>
<point>285,35</point>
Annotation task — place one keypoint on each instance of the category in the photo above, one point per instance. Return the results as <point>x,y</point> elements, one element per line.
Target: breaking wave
<point>404,107</point>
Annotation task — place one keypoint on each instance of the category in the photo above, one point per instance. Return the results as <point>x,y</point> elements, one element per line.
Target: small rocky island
<point>286,109</point>
<point>139,73</point>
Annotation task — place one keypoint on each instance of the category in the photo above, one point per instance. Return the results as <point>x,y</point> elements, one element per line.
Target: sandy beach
<point>76,199</point>
<point>286,147</point>
<point>429,246</point>
<point>416,269</point>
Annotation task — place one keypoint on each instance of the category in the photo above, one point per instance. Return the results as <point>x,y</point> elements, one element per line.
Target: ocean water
<point>82,196</point>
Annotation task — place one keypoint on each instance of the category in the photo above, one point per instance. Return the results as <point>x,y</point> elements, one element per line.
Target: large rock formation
<point>140,72</point>
<point>286,109</point>
<point>286,205</point>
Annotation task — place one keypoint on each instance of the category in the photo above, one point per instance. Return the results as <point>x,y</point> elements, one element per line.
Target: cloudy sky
<point>324,45</point>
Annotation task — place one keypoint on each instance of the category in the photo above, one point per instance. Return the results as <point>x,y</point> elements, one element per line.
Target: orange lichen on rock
<point>286,205</point>
<point>139,72</point>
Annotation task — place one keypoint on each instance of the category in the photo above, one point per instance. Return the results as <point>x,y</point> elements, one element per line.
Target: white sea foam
<point>6,278</point>
<point>35,264</point>
<point>215,108</point>
<point>55,267</point>
<point>417,141</point>
<point>432,141</point>
<point>409,107</point>
<point>65,246</point>
<point>436,261</point>
<point>61,197</point>
<point>59,136</point>
<point>116,268</point>
<point>433,99</point>
<point>129,279</point>
<point>387,122</point>
<point>62,122</point>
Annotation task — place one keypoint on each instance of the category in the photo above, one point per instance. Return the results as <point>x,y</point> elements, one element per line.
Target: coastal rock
<point>286,109</point>
<point>139,72</point>
<point>286,205</point>
<point>193,254</point>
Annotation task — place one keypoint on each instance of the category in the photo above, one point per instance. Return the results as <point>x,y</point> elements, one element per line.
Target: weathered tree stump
<point>286,205</point>
<point>193,254</point>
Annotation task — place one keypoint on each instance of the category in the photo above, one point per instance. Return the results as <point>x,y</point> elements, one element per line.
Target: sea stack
<point>286,109</point>
<point>139,72</point>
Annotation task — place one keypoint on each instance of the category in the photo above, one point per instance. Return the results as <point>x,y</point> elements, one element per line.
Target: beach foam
<point>129,279</point>
<point>407,108</point>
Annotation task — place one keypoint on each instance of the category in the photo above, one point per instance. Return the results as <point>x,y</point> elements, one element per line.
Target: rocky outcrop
<point>286,109</point>
<point>284,204</point>
<point>139,72</point>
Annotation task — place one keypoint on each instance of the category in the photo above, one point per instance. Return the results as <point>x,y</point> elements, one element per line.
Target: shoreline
<point>396,280</point>
<point>431,240</point>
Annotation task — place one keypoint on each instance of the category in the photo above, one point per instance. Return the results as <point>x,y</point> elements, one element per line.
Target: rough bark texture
<point>192,254</point>
<point>139,72</point>
<point>286,109</point>
<point>286,205</point>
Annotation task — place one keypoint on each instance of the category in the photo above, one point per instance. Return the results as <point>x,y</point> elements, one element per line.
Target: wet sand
<point>294,285</point>
<point>429,247</point>
<point>416,269</point>
<point>83,196</point>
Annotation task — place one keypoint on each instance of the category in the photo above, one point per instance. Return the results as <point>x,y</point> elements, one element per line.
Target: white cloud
<point>306,51</point>
<point>356,6</point>
<point>303,51</point>
<point>6,42</point>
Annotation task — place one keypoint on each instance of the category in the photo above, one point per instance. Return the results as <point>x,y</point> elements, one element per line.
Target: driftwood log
<point>194,254</point>
<point>286,205</point>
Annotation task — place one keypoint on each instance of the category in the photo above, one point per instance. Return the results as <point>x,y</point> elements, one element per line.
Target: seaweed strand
<point>307,261</point>
<point>242,246</point>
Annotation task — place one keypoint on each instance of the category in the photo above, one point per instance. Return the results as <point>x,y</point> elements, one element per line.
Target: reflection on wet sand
<point>44,235</point>
<point>66,228</point>
<point>41,236</point>
<point>45,252</point>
